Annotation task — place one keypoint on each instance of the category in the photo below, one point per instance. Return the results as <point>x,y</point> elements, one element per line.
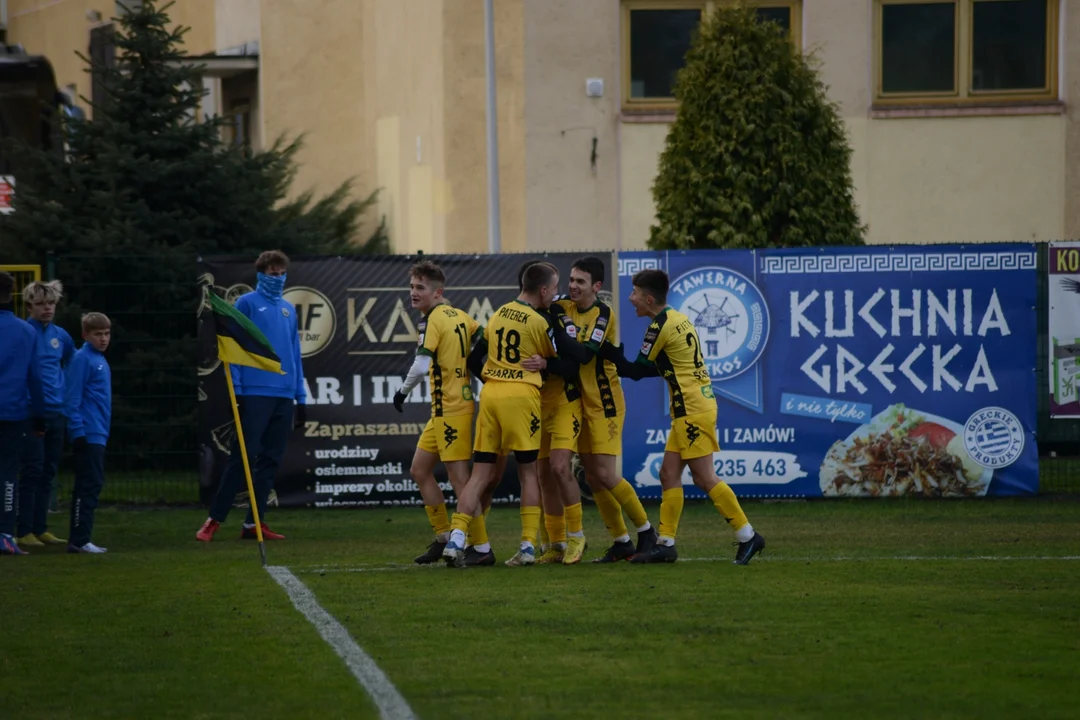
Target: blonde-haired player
<point>446,335</point>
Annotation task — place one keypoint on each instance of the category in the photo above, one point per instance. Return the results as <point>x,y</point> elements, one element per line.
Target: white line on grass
<point>387,699</point>
<point>774,559</point>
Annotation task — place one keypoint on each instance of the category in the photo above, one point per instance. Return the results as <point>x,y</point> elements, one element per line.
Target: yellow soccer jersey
<point>557,389</point>
<point>516,331</point>
<point>598,380</point>
<point>671,344</point>
<point>446,336</point>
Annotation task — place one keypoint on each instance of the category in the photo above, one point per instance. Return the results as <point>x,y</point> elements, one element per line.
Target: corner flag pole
<point>247,467</point>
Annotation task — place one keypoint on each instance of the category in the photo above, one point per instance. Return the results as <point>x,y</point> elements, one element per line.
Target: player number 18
<point>511,348</point>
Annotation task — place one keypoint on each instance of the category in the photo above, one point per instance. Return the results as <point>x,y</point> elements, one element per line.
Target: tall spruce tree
<point>757,156</point>
<point>140,192</point>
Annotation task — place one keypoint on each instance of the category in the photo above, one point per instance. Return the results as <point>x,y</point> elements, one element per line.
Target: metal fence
<point>152,302</point>
<point>23,275</point>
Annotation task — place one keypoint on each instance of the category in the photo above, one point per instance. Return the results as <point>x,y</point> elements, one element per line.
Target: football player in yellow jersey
<point>509,418</point>
<point>446,336</point>
<point>560,401</point>
<point>604,409</point>
<point>671,350</point>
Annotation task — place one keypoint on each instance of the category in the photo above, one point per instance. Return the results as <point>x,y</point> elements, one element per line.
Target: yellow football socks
<point>478,530</point>
<point>628,500</point>
<point>440,523</point>
<point>723,497</point>
<point>671,505</point>
<point>461,521</point>
<point>555,525</point>
<point>573,520</point>
<point>610,512</point>
<point>530,524</point>
<point>544,539</point>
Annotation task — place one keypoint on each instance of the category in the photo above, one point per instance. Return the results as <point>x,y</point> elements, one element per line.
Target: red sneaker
<point>248,533</point>
<point>206,532</point>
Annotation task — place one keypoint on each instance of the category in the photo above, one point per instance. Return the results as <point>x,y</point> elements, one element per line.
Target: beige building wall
<point>311,83</point>
<point>59,30</point>
<point>917,180</point>
<point>571,201</point>
<point>465,123</point>
<point>236,22</point>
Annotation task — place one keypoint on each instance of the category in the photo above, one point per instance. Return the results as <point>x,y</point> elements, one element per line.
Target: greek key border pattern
<point>897,262</point>
<point>629,266</point>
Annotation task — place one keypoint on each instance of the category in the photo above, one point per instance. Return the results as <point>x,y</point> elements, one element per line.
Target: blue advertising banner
<point>867,372</point>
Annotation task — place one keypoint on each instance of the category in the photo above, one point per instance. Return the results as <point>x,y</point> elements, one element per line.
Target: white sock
<point>578,534</point>
<point>458,538</point>
<point>526,545</point>
<point>249,526</point>
<point>623,538</point>
<point>745,533</point>
<point>559,545</point>
<point>669,542</point>
<point>482,548</point>
<point>645,527</point>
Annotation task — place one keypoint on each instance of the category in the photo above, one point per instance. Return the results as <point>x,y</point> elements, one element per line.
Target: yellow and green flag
<point>239,341</point>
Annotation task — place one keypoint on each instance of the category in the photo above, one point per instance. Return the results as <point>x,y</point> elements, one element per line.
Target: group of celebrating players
<point>551,373</point>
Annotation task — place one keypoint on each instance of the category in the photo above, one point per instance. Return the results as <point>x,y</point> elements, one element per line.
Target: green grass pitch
<point>891,609</point>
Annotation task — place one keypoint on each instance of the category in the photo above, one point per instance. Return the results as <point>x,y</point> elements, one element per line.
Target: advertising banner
<point>851,371</point>
<point>358,339</point>
<point>1064,329</point>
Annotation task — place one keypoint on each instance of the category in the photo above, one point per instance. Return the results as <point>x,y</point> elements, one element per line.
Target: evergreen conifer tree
<point>757,156</point>
<point>143,189</point>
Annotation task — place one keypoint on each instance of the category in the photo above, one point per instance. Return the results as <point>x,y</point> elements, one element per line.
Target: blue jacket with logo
<point>54,351</point>
<point>20,379</point>
<point>88,397</point>
<point>277,320</point>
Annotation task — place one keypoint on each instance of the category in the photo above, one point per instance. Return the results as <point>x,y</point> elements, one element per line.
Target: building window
<point>102,55</point>
<point>657,34</point>
<point>966,51</point>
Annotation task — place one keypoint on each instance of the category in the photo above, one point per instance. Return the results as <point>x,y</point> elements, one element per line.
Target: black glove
<point>38,424</point>
<point>613,353</point>
<point>300,416</point>
<point>79,444</point>
<point>399,401</point>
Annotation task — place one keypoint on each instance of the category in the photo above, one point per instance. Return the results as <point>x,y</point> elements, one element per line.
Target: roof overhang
<point>222,66</point>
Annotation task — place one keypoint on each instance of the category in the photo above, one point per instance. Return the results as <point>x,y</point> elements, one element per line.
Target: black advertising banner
<point>358,338</point>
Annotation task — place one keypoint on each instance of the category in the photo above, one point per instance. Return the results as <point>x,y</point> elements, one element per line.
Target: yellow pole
<point>247,467</point>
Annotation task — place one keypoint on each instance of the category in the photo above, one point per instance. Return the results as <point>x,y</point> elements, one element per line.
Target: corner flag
<point>239,341</point>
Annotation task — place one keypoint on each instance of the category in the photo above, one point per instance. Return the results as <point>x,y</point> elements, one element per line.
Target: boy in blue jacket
<point>88,403</point>
<point>45,441</point>
<point>271,404</point>
<point>20,388</point>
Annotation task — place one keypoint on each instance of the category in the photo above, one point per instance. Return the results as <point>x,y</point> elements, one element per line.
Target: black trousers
<point>89,479</point>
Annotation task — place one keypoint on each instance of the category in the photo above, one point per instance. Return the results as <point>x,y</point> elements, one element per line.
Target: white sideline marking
<point>888,558</point>
<point>387,699</point>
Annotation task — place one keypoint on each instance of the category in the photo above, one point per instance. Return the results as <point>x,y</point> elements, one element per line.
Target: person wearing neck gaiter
<point>270,404</point>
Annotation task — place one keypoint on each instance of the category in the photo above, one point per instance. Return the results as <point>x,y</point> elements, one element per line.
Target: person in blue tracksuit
<point>271,404</point>
<point>20,389</point>
<point>88,406</point>
<point>45,441</point>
